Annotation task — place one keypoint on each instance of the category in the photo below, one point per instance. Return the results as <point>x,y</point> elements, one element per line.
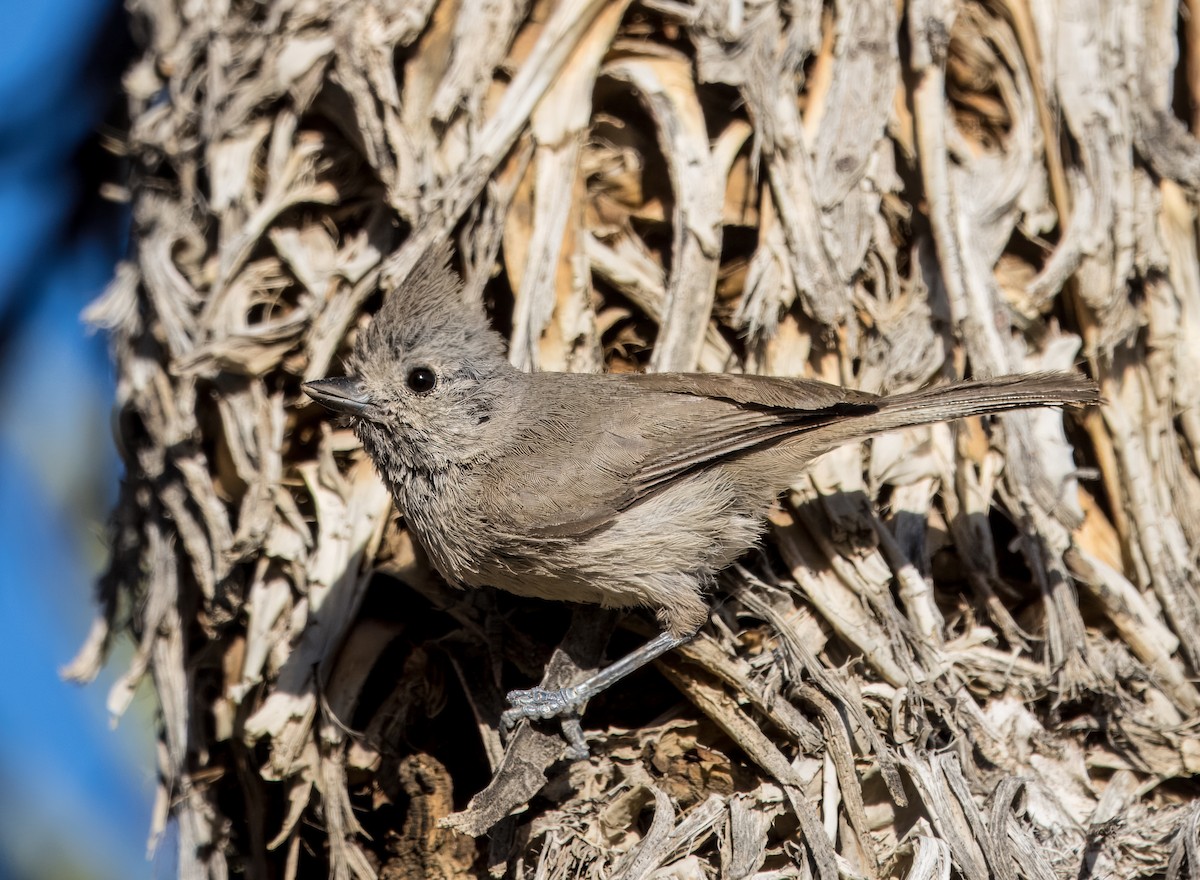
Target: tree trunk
<point>965,650</point>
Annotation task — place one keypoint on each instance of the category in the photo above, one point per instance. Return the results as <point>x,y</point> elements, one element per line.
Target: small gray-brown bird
<point>619,490</point>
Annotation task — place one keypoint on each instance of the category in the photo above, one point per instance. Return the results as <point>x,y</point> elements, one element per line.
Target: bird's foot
<point>544,703</point>
<point>540,702</point>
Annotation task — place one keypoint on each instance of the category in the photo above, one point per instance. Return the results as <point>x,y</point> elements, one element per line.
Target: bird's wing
<point>770,392</point>
<point>579,466</point>
<point>740,414</point>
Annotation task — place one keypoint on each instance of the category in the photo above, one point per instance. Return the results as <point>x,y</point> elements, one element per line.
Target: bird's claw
<point>572,731</point>
<point>545,703</point>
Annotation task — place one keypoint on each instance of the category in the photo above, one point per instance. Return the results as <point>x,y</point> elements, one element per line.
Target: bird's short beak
<point>343,394</point>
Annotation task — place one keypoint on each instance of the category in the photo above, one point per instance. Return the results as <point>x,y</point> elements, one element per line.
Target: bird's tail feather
<point>983,396</point>
<point>961,400</point>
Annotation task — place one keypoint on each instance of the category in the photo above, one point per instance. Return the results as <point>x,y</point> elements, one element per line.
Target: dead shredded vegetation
<point>964,651</point>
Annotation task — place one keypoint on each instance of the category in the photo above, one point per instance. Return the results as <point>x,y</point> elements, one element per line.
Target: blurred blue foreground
<point>75,796</point>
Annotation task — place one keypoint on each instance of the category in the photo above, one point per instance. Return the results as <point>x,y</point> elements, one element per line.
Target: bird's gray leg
<point>541,702</point>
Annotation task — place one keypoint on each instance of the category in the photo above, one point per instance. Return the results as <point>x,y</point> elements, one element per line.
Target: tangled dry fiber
<point>963,651</point>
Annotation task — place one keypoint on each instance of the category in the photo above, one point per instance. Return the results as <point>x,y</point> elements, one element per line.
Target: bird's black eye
<point>421,380</point>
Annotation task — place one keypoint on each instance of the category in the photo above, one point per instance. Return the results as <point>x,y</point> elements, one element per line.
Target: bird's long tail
<point>982,396</point>
<point>964,399</point>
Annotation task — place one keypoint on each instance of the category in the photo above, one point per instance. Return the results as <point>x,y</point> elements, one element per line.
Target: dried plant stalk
<point>968,650</point>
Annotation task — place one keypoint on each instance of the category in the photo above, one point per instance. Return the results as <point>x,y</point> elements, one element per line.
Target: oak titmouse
<point>619,490</point>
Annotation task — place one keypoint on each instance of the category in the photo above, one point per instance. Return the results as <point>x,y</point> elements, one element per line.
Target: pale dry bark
<point>969,650</point>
